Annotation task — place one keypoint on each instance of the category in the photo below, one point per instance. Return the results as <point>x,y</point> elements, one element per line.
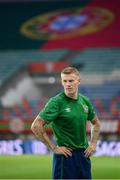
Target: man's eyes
<point>69,81</point>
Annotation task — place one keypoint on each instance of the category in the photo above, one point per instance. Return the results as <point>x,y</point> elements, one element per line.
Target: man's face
<point>70,83</point>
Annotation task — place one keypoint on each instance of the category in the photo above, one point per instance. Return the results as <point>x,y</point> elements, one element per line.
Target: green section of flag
<point>4,126</point>
<point>27,126</point>
<point>7,126</point>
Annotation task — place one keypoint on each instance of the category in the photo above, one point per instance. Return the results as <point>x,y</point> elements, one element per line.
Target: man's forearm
<point>43,137</point>
<point>95,132</point>
<point>41,134</point>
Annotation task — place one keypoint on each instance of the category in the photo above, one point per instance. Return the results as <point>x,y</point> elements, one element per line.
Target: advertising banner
<point>18,147</point>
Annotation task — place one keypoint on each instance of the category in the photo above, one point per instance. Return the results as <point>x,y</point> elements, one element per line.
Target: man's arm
<point>95,131</point>
<point>38,129</point>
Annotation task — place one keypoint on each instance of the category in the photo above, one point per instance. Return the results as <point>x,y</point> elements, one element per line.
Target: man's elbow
<point>37,125</point>
<point>98,124</point>
<point>33,126</point>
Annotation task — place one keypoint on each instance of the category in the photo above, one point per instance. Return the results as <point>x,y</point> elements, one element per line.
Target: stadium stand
<point>96,61</point>
<point>12,61</point>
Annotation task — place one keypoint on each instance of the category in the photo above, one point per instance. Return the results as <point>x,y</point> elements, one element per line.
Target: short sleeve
<point>50,112</point>
<point>91,111</point>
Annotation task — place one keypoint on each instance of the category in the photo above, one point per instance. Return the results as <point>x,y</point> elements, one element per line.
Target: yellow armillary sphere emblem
<point>67,23</point>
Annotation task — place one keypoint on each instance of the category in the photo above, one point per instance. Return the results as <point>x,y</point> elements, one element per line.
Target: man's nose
<point>68,83</point>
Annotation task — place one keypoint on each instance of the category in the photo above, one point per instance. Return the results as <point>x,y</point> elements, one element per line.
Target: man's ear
<point>79,80</point>
<point>60,80</point>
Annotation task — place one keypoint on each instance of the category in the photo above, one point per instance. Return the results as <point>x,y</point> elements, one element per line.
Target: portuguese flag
<point>95,25</point>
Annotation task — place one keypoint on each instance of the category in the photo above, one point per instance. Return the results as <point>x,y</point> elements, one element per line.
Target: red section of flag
<point>27,106</point>
<point>17,110</point>
<point>106,37</point>
<point>47,66</point>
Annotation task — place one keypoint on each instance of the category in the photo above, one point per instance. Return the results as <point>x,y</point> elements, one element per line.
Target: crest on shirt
<point>85,108</point>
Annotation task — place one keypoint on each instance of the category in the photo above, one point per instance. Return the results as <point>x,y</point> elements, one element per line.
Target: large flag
<point>48,25</point>
<point>95,25</point>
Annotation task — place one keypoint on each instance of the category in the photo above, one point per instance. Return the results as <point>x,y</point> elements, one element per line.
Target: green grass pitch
<point>39,167</point>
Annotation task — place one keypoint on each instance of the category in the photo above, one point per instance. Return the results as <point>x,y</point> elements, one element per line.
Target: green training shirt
<point>69,117</point>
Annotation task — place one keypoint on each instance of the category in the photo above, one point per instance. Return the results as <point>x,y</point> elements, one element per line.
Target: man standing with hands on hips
<point>69,112</point>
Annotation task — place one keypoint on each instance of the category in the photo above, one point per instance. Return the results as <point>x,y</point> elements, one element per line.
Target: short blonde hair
<point>70,70</point>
